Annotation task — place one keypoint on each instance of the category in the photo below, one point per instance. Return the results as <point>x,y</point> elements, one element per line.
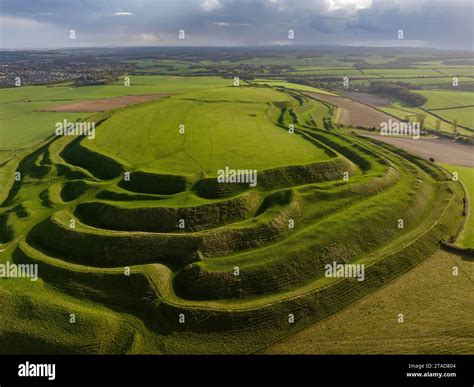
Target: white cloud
<point>226,24</point>
<point>147,37</point>
<point>122,13</point>
<point>334,5</point>
<point>210,5</point>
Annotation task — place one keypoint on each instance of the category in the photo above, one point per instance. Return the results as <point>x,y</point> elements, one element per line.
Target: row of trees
<point>398,92</point>
<point>103,78</point>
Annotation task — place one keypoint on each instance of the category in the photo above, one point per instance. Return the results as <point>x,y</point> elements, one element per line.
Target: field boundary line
<point>452,107</point>
<point>445,120</point>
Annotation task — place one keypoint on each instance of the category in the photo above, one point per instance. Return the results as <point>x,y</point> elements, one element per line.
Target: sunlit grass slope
<point>229,126</point>
<point>437,309</point>
<point>466,175</point>
<point>22,124</point>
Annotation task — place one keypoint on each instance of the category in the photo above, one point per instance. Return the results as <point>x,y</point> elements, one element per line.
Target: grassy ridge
<point>466,175</point>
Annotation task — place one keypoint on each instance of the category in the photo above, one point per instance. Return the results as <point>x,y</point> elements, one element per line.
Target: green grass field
<point>293,86</point>
<point>466,175</point>
<point>425,296</point>
<point>432,122</point>
<point>457,70</point>
<point>430,81</point>
<point>433,76</point>
<point>442,99</point>
<point>463,116</point>
<point>391,73</point>
<point>23,125</point>
<point>226,127</point>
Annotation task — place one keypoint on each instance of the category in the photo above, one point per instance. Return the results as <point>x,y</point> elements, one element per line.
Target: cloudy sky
<point>443,24</point>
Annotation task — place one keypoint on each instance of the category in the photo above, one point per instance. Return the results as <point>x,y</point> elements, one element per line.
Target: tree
<point>455,127</point>
<point>421,117</point>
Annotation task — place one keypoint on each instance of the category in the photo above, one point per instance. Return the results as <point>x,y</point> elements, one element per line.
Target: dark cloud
<point>45,23</point>
<point>329,24</point>
<point>437,22</point>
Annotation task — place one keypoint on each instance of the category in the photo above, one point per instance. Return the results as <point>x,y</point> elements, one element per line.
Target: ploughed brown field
<point>103,104</point>
<point>440,149</point>
<point>352,113</point>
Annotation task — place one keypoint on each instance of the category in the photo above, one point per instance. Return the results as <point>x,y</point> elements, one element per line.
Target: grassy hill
<point>169,260</point>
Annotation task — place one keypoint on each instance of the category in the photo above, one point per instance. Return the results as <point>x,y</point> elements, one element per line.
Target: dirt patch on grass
<point>103,104</point>
<point>368,99</point>
<point>353,113</point>
<point>440,149</point>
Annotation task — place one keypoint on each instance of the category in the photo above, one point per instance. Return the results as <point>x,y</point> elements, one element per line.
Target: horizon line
<point>282,46</point>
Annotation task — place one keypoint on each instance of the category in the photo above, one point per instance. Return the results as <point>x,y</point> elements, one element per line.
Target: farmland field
<point>23,124</point>
<point>446,99</point>
<point>431,121</point>
<point>432,81</point>
<point>103,104</point>
<point>387,73</point>
<point>463,116</point>
<point>438,89</point>
<point>353,113</point>
<point>441,150</point>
